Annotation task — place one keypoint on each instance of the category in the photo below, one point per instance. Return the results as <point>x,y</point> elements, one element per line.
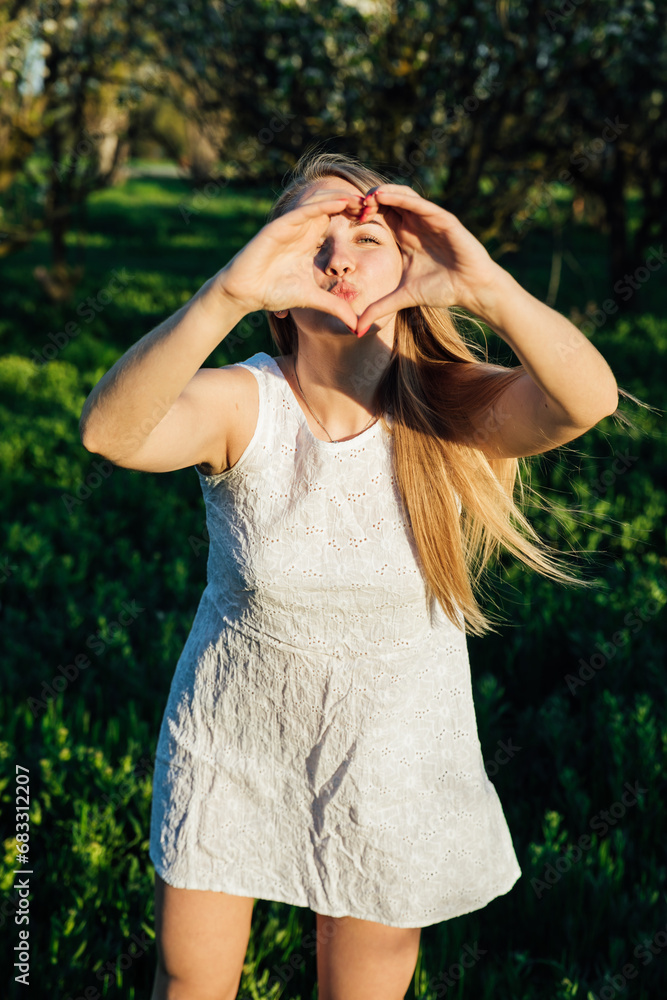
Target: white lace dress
<point>319,746</point>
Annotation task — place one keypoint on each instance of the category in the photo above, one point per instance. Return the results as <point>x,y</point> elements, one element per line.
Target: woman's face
<point>362,263</point>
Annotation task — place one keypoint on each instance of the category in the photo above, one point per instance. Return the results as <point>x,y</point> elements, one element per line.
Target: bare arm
<point>149,381</point>
<point>568,386</point>
<point>156,409</point>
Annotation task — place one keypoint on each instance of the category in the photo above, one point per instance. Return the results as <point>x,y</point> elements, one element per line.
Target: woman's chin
<point>317,322</point>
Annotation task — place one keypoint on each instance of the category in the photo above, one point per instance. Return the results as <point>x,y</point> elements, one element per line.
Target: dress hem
<point>428,919</point>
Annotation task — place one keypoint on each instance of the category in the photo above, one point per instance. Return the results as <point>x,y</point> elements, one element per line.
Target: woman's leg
<point>364,960</point>
<point>202,939</point>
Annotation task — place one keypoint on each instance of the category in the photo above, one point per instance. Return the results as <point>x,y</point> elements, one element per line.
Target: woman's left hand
<point>443,263</point>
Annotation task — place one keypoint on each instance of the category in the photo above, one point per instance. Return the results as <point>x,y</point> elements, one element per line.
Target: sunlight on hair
<point>437,376</point>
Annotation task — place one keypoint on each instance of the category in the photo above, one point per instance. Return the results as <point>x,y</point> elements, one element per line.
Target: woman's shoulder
<point>242,396</point>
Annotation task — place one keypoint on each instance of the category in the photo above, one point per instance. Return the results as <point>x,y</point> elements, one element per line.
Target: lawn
<point>101,571</point>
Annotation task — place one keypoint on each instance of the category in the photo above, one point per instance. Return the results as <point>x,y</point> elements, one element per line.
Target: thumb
<point>335,306</point>
<point>379,312</point>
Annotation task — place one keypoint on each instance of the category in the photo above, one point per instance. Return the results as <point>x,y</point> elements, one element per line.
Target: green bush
<point>575,678</point>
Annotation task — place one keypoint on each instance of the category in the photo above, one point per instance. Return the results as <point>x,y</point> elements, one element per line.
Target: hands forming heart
<point>443,263</point>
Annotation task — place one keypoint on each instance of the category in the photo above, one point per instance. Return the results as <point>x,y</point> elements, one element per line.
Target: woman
<point>319,746</point>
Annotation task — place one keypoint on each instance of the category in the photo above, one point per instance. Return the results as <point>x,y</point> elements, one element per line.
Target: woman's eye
<point>371,239</point>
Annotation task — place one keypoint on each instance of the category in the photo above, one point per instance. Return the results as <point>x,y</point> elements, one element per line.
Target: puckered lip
<point>344,290</point>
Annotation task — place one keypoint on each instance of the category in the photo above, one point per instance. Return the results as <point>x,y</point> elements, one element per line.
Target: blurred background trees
<point>141,145</point>
<point>485,107</point>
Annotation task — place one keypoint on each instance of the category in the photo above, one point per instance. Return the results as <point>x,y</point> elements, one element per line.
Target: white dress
<point>319,746</point>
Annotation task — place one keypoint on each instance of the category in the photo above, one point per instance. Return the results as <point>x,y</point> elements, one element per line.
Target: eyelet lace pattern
<point>319,746</point>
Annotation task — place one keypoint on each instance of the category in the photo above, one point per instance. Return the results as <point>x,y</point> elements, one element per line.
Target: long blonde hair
<point>434,463</point>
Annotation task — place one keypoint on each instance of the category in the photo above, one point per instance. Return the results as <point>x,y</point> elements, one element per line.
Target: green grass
<point>70,559</point>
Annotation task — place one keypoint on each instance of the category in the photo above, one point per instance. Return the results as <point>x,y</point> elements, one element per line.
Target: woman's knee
<point>202,938</point>
<point>168,987</point>
<point>364,960</point>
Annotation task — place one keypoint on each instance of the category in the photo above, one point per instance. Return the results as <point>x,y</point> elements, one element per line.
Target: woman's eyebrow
<point>370,222</point>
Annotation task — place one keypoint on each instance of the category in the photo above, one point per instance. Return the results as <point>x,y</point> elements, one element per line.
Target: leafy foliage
<point>82,540</point>
<point>484,105</point>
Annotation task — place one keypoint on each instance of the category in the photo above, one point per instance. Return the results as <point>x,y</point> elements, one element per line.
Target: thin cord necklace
<point>319,421</point>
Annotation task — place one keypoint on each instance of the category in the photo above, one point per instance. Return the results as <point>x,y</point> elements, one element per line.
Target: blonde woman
<point>319,746</point>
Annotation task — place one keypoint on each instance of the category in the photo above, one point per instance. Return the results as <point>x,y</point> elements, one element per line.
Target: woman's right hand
<point>275,270</point>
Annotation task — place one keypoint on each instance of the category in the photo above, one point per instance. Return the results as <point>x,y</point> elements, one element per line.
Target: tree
<point>69,73</point>
<point>483,105</point>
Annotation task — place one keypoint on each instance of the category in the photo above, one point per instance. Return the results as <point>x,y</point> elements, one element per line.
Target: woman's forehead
<point>330,183</point>
<point>385,216</point>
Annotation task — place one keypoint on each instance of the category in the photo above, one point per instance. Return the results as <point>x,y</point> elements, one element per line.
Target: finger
<point>371,206</point>
<point>391,216</point>
<point>382,310</point>
<point>323,209</point>
<point>332,193</point>
<point>355,198</point>
<point>330,205</point>
<point>409,200</point>
<point>404,188</point>
<point>335,306</point>
<point>371,196</point>
<point>396,194</point>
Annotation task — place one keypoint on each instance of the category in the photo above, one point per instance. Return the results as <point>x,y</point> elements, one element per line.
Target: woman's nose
<point>337,260</point>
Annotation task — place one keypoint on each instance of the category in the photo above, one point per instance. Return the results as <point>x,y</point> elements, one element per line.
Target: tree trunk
<point>60,224</point>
